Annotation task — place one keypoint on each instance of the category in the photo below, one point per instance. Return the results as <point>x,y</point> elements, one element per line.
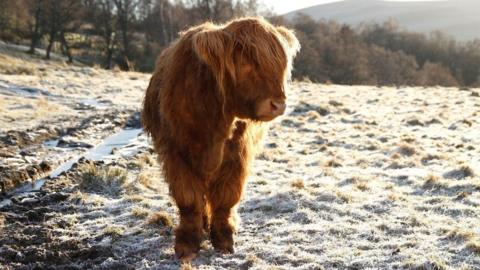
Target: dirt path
<point>51,112</point>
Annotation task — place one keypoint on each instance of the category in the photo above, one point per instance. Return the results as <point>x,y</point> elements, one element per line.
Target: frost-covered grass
<point>351,177</point>
<point>357,188</point>
<point>15,66</point>
<point>102,180</point>
<point>34,90</point>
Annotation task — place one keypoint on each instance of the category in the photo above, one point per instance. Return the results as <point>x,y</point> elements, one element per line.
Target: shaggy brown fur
<point>205,108</point>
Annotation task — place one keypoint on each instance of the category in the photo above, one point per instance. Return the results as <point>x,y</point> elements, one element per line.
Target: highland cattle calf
<point>206,107</point>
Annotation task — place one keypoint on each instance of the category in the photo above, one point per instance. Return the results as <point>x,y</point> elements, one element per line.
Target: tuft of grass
<point>362,163</point>
<point>467,122</point>
<point>333,163</point>
<point>146,204</point>
<point>460,235</point>
<point>415,122</point>
<point>298,183</point>
<point>389,186</point>
<point>133,165</point>
<point>406,150</point>
<point>161,218</point>
<point>383,227</point>
<point>353,180</point>
<point>430,264</point>
<point>363,186</point>
<point>312,115</point>
<point>335,103</point>
<point>395,156</point>
<point>261,182</point>
<point>146,159</point>
<point>474,246</point>
<point>429,157</point>
<point>395,165</point>
<point>43,107</point>
<point>114,231</point>
<point>392,197</point>
<point>463,172</point>
<point>102,180</point>
<point>250,261</point>
<point>433,181</point>
<point>116,69</point>
<point>346,198</point>
<point>462,195</point>
<point>414,221</point>
<point>15,66</point>
<point>145,179</point>
<point>407,139</point>
<point>78,197</point>
<point>140,212</point>
<point>134,198</point>
<point>358,182</point>
<point>186,266</point>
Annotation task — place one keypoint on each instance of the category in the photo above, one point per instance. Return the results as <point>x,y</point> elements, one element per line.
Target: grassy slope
<point>351,177</point>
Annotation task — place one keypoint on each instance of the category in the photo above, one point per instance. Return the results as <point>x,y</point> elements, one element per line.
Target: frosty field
<point>351,177</point>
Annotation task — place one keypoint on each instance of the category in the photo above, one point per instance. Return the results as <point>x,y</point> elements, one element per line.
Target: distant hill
<point>459,18</point>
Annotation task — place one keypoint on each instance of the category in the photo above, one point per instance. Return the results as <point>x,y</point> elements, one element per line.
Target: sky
<point>284,6</point>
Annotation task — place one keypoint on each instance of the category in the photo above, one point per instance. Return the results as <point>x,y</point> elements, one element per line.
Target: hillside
<point>458,18</point>
<point>351,177</point>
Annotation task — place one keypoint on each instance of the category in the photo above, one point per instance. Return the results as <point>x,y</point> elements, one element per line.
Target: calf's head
<point>251,61</point>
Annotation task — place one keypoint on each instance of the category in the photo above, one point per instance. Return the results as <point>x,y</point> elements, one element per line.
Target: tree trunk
<point>108,27</point>
<point>171,33</point>
<point>126,45</point>
<point>50,44</point>
<point>53,26</point>
<point>163,33</point>
<point>123,9</point>
<point>110,42</point>
<point>109,58</point>
<point>66,48</point>
<point>35,34</point>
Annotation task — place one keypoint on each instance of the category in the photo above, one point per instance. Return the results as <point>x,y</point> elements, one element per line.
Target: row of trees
<point>127,33</point>
<point>40,21</point>
<point>437,50</point>
<point>130,33</point>
<point>383,54</point>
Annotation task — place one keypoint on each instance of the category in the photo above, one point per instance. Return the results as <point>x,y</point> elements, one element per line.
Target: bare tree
<point>101,13</point>
<point>125,18</point>
<point>158,25</point>
<point>62,15</point>
<point>37,11</point>
<point>52,24</point>
<point>107,20</point>
<point>13,20</point>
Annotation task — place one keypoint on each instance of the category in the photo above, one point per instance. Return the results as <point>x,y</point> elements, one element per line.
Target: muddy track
<point>40,229</point>
<point>37,232</point>
<point>31,154</point>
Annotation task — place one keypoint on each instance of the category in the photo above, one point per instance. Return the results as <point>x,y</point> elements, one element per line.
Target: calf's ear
<point>215,47</point>
<point>290,39</point>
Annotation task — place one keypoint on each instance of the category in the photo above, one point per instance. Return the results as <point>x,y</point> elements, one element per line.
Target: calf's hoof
<point>185,252</point>
<point>222,240</point>
<point>187,245</point>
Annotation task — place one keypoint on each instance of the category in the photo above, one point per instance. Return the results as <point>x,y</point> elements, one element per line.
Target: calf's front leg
<point>188,191</point>
<point>225,191</point>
